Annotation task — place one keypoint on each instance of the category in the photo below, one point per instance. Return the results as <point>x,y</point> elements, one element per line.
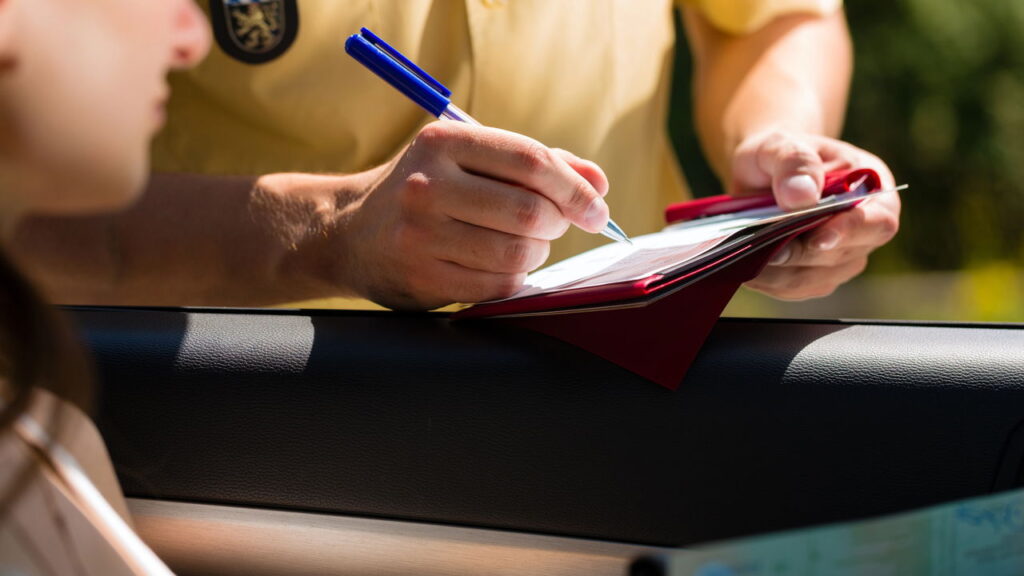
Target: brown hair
<point>36,350</point>
<point>22,341</point>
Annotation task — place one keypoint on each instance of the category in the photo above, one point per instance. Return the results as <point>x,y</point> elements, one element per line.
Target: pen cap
<point>416,84</point>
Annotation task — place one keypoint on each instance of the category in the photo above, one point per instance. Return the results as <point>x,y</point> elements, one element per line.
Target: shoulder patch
<point>254,31</point>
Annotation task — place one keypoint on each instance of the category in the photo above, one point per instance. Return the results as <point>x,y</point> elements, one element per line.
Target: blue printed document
<point>966,538</point>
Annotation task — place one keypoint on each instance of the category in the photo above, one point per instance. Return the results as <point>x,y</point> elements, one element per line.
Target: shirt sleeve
<point>744,16</point>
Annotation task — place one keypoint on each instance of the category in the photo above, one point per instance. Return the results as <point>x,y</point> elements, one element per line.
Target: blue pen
<point>421,88</point>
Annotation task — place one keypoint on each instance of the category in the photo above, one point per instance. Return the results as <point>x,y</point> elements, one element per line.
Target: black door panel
<point>777,424</point>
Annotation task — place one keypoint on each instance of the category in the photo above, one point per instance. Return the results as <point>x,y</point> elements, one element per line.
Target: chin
<point>114,198</point>
<point>97,193</point>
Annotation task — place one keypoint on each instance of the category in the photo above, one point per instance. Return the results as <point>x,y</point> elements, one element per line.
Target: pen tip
<point>612,230</point>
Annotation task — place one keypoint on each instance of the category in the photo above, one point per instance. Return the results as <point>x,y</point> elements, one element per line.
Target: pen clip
<point>397,70</point>
<point>420,73</point>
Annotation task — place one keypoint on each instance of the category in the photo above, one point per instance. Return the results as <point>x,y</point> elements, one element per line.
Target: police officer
<point>288,172</point>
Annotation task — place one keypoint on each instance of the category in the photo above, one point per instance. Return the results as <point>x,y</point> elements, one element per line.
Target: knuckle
<point>563,153</point>
<point>888,228</point>
<point>563,227</point>
<point>769,148</point>
<point>418,183</point>
<point>529,214</point>
<point>793,155</point>
<point>797,155</point>
<point>859,266</point>
<point>774,142</point>
<point>853,220</point>
<point>794,253</point>
<point>582,194</point>
<point>817,257</point>
<point>417,189</point>
<point>435,134</point>
<point>534,157</point>
<point>506,285</point>
<point>541,252</point>
<point>517,255</point>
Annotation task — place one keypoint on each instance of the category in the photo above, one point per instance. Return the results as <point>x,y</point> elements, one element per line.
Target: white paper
<point>620,262</point>
<point>664,251</point>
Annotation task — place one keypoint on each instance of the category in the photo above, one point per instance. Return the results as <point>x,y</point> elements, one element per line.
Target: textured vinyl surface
<point>777,424</point>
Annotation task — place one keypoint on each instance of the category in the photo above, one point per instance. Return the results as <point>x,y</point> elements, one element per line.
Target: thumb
<point>792,168</point>
<point>796,190</point>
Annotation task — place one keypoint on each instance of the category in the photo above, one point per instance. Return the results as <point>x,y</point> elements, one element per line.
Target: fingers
<point>792,167</point>
<point>460,262</point>
<point>444,283</point>
<point>847,235</point>
<point>513,158</point>
<point>803,282</point>
<point>495,205</point>
<point>465,212</point>
<point>484,249</point>
<point>451,282</point>
<point>427,264</point>
<point>869,225</point>
<point>477,223</point>
<point>815,264</point>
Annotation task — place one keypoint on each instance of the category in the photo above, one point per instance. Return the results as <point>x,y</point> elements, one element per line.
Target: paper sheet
<point>621,262</point>
<point>978,536</point>
<point>663,251</point>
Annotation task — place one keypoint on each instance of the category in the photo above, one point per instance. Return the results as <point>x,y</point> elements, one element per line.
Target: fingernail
<point>780,257</point>
<point>596,215</point>
<point>798,191</point>
<point>827,240</point>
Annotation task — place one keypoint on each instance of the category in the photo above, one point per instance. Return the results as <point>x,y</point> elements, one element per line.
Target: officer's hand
<point>794,167</point>
<point>464,213</point>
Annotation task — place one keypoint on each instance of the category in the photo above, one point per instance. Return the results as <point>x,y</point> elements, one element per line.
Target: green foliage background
<point>938,93</point>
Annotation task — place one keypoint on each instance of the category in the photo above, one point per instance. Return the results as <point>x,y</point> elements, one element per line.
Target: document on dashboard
<point>978,536</point>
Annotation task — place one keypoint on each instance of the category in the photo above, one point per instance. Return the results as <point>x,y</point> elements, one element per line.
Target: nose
<point>191,39</point>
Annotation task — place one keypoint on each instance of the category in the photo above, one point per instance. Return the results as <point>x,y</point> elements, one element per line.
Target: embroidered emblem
<point>254,31</point>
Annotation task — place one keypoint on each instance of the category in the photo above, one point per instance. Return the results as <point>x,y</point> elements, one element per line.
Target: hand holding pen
<point>580,206</point>
<point>464,213</point>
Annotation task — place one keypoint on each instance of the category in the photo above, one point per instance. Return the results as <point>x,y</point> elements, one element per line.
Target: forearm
<point>198,240</point>
<point>462,214</point>
<point>792,75</point>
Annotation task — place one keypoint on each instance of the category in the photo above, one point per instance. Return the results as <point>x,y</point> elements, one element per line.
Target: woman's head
<point>82,91</point>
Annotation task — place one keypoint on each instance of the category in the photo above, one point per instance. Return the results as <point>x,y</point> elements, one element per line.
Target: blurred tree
<point>939,94</point>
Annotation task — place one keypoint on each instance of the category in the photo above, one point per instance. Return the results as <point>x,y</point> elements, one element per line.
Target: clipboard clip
<point>836,182</point>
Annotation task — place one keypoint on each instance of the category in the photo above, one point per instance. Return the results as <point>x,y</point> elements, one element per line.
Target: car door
<point>326,442</point>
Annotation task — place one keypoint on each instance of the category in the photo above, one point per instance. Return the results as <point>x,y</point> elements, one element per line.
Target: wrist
<point>307,216</point>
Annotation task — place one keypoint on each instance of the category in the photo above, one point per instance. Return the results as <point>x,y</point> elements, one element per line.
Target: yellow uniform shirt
<point>589,76</point>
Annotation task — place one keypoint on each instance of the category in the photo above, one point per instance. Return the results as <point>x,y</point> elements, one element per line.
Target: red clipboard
<point>667,317</point>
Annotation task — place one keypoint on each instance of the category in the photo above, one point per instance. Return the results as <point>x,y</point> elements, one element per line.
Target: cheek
<point>86,134</point>
<point>84,116</point>
<point>93,159</point>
